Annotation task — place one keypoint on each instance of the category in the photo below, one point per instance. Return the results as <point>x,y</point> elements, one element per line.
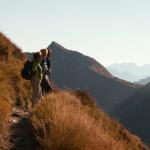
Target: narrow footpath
<point>22,137</point>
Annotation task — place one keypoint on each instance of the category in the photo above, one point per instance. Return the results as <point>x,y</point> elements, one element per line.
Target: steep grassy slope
<point>12,59</point>
<point>13,90</point>
<point>5,109</point>
<point>68,120</point>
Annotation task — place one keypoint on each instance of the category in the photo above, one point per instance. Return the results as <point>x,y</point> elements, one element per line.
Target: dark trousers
<point>45,84</point>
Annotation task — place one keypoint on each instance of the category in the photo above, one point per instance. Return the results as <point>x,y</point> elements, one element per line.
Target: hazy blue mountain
<point>144,81</point>
<point>130,71</point>
<point>124,75</point>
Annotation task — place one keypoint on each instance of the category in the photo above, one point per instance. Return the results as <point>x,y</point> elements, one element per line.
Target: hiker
<point>36,78</point>
<point>46,67</point>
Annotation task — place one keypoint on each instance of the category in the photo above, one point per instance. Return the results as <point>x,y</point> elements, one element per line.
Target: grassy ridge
<point>12,59</point>
<point>13,89</point>
<point>66,120</point>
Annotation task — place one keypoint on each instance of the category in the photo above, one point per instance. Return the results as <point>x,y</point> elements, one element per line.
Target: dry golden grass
<point>63,122</point>
<point>5,109</point>
<point>111,126</point>
<point>12,85</point>
<point>11,63</point>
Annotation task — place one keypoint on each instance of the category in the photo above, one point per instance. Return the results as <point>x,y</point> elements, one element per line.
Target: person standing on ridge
<point>36,71</point>
<point>46,67</point>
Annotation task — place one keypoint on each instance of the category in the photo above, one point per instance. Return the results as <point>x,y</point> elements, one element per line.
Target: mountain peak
<point>56,45</point>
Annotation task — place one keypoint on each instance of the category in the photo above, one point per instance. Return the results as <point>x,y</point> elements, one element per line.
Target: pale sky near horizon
<point>110,31</point>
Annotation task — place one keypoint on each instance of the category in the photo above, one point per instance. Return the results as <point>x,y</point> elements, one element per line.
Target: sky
<point>111,31</point>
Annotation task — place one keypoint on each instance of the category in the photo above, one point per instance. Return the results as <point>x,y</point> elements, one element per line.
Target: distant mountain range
<point>143,81</point>
<point>134,113</point>
<point>71,69</point>
<point>130,71</point>
<point>126,75</point>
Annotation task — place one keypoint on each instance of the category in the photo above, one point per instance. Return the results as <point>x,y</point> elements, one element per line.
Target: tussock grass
<point>109,125</point>
<point>5,109</point>
<point>63,122</point>
<point>13,89</point>
<point>11,63</point>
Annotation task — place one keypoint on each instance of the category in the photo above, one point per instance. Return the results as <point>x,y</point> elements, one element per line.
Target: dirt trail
<point>22,137</point>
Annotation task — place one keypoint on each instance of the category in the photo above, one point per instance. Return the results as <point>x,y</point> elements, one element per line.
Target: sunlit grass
<point>5,109</point>
<point>62,122</point>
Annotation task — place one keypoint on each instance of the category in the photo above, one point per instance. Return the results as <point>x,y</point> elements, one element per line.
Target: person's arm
<point>34,67</point>
<point>40,71</point>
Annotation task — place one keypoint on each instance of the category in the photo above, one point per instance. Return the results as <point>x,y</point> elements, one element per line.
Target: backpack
<point>26,70</point>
